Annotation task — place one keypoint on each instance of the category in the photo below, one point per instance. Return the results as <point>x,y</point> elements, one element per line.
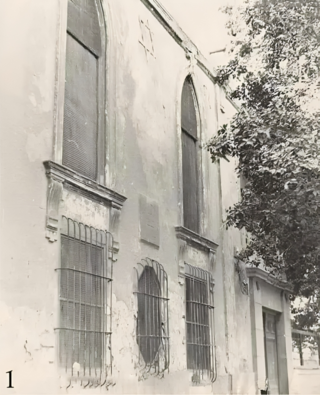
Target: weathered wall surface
<point>144,85</point>
<point>28,287</point>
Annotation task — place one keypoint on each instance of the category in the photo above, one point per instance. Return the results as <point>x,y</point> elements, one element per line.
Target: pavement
<point>305,381</point>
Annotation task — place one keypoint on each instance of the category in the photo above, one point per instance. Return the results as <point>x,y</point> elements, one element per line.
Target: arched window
<point>84,89</point>
<point>189,136</point>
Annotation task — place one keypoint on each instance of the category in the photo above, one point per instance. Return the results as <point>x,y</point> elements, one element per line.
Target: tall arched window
<point>189,136</point>
<point>84,89</point>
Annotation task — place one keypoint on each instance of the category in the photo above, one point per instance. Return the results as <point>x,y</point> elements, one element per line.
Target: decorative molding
<point>62,177</point>
<point>195,240</point>
<point>175,31</point>
<point>182,39</point>
<point>114,227</point>
<point>181,257</point>
<point>83,185</point>
<point>212,260</point>
<point>240,267</point>
<point>53,202</point>
<point>257,273</point>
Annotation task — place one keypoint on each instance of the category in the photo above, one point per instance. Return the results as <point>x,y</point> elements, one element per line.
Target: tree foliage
<point>273,75</point>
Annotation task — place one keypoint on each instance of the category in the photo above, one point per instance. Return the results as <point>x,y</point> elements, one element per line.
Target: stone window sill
<point>59,177</point>
<point>195,240</point>
<point>83,184</point>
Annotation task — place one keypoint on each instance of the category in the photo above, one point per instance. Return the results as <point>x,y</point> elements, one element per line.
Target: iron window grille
<point>199,322</point>
<point>153,316</point>
<point>85,291</point>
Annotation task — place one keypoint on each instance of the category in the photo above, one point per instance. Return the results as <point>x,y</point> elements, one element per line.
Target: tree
<point>273,74</point>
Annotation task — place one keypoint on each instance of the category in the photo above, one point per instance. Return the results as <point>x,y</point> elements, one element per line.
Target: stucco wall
<point>28,290</point>
<point>143,158</point>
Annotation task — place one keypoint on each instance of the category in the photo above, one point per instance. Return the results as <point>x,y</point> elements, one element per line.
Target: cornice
<point>182,39</point>
<point>261,274</point>
<point>83,185</point>
<point>194,239</point>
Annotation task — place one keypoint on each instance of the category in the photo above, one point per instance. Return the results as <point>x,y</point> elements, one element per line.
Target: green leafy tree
<point>273,75</point>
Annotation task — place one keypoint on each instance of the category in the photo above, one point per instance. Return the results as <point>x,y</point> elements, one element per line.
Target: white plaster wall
<point>144,114</point>
<point>28,288</point>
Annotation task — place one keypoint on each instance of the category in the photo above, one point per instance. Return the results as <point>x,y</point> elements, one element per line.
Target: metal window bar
<point>153,316</point>
<point>199,323</point>
<point>85,278</point>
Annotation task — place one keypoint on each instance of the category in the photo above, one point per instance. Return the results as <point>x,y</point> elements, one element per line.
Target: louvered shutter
<point>80,134</point>
<point>188,111</point>
<point>190,182</point>
<point>189,159</point>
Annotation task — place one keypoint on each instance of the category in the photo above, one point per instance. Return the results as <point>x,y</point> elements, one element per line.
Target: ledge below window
<point>83,184</point>
<point>195,240</point>
<point>59,177</point>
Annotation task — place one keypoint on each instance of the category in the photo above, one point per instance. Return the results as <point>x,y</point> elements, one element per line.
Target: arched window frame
<point>102,152</point>
<point>198,228</point>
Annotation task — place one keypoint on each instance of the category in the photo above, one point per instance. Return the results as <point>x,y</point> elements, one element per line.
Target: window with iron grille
<point>199,321</point>
<point>153,319</point>
<point>84,88</point>
<point>85,301</point>
<point>189,136</point>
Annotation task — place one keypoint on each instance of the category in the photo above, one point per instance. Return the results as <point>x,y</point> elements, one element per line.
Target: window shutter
<point>81,110</point>
<point>188,111</point>
<point>83,23</point>
<point>189,158</point>
<point>190,183</point>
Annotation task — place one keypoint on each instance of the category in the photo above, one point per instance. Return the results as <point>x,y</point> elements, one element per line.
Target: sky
<point>202,21</point>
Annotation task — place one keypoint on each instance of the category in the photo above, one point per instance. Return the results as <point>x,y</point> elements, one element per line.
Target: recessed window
<point>190,148</point>
<point>85,296</point>
<point>199,320</point>
<point>153,319</point>
<point>84,89</point>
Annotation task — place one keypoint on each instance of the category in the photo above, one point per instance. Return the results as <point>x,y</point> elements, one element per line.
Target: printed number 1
<point>10,379</point>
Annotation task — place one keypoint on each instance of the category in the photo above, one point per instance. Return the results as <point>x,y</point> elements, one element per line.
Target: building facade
<point>123,278</point>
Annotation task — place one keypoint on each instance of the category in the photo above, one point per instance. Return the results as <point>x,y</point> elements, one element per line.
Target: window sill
<point>83,184</point>
<point>195,240</point>
<point>62,177</point>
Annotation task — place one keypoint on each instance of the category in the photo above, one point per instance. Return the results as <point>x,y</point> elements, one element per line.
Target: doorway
<point>271,352</point>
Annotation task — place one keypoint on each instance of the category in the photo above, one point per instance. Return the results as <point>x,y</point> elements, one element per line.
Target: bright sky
<point>202,22</point>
